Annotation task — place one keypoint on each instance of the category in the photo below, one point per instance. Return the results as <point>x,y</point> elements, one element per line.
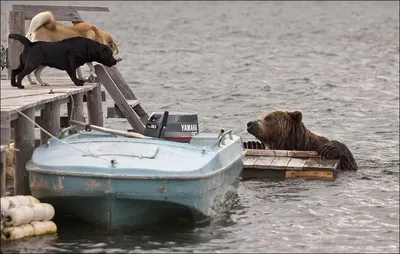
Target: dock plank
<point>302,154</point>
<point>16,102</point>
<point>284,153</point>
<point>296,163</point>
<point>263,162</point>
<point>266,152</point>
<point>327,164</point>
<point>280,163</point>
<point>13,99</point>
<point>312,163</point>
<point>248,161</point>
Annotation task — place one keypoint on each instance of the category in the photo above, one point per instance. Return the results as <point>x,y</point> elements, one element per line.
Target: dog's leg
<point>37,73</point>
<point>72,75</point>
<point>14,73</point>
<point>30,80</point>
<point>27,69</point>
<point>79,73</point>
<point>92,77</point>
<point>72,71</point>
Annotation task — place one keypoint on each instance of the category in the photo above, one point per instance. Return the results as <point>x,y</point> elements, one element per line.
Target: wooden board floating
<point>284,164</point>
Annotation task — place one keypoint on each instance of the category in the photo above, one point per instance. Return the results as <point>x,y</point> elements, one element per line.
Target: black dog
<point>68,55</point>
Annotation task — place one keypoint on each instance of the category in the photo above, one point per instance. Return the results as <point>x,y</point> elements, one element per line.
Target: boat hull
<point>117,196</point>
<point>113,203</point>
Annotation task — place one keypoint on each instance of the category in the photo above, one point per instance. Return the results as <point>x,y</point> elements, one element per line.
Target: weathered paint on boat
<point>135,182</point>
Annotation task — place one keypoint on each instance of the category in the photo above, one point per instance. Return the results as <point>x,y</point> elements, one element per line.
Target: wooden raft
<point>284,164</point>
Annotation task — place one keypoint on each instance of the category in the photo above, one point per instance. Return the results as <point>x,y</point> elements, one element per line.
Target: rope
<point>51,135</point>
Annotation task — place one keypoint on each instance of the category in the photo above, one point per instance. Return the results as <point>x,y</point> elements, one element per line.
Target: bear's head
<point>278,129</point>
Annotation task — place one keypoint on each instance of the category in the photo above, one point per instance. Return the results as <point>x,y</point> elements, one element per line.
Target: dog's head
<point>113,46</point>
<point>109,41</point>
<point>105,56</point>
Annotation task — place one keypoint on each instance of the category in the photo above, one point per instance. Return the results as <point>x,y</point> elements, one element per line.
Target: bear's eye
<point>267,118</point>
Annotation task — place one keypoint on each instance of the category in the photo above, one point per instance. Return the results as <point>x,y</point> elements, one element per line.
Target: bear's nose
<point>249,124</point>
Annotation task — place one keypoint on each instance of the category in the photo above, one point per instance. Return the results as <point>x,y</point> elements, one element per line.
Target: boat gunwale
<point>72,139</point>
<point>36,169</point>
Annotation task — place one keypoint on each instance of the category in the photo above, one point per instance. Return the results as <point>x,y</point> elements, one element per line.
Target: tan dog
<point>44,27</point>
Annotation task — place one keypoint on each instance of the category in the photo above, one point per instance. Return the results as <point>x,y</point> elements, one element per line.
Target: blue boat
<point>115,182</point>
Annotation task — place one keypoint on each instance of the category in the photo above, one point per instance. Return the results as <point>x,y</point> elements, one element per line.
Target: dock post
<point>16,24</point>
<point>5,128</point>
<point>3,171</point>
<point>5,131</point>
<point>75,108</point>
<point>50,117</point>
<point>95,107</point>
<point>25,142</point>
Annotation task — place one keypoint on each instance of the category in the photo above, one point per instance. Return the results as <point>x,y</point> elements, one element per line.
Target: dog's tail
<point>45,18</point>
<point>21,39</point>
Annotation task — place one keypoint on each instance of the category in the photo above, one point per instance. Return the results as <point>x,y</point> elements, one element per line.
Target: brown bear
<point>284,130</point>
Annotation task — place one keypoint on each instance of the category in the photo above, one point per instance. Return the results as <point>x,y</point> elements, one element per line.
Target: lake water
<point>337,62</point>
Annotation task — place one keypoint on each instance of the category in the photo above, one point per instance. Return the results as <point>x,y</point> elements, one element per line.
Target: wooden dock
<point>284,164</point>
<point>42,104</point>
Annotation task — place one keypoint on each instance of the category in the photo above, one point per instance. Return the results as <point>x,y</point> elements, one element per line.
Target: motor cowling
<point>175,126</point>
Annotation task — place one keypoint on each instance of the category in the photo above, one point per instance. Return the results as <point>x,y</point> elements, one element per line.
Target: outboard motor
<point>175,126</point>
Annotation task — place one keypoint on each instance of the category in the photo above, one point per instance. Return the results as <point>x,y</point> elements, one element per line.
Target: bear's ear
<point>296,116</point>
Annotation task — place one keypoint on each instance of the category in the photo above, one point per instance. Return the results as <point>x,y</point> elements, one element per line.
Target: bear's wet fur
<point>284,130</point>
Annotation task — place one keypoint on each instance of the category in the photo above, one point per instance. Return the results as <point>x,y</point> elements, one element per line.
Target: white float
<point>24,216</point>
